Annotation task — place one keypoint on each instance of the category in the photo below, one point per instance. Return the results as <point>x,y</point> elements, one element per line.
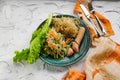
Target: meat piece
<point>70,52</point>
<point>75,46</point>
<point>78,39</point>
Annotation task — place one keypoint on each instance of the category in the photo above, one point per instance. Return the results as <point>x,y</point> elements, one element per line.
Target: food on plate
<point>66,25</point>
<point>70,51</point>
<point>52,39</point>
<point>64,30</point>
<point>56,46</point>
<point>74,75</point>
<point>30,55</point>
<point>75,46</point>
<point>78,39</point>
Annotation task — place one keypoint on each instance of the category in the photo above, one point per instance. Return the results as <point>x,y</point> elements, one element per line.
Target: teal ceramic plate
<point>85,44</point>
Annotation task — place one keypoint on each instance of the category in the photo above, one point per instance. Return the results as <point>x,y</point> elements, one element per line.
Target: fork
<point>97,19</point>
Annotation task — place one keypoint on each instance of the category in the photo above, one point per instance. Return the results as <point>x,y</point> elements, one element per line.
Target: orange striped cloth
<point>112,61</point>
<point>74,75</point>
<point>115,55</point>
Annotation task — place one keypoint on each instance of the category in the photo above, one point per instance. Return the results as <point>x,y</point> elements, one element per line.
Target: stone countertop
<point>18,20</point>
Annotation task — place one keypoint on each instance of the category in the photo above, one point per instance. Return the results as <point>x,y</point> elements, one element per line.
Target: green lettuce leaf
<point>36,44</point>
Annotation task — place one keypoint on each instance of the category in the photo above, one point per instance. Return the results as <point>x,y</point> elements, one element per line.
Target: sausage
<point>75,46</point>
<point>70,52</point>
<point>78,39</point>
<point>80,35</point>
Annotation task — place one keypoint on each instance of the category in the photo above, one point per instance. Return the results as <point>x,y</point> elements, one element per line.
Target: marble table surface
<point>18,20</point>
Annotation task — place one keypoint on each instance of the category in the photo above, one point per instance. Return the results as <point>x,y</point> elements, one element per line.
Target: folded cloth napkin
<point>103,63</point>
<point>104,20</point>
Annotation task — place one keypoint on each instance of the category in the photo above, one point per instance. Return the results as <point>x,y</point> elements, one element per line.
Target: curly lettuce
<point>30,55</point>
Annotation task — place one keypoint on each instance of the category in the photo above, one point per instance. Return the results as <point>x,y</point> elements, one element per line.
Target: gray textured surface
<point>18,19</point>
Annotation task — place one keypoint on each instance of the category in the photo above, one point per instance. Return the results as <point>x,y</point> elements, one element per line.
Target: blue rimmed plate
<point>84,47</point>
